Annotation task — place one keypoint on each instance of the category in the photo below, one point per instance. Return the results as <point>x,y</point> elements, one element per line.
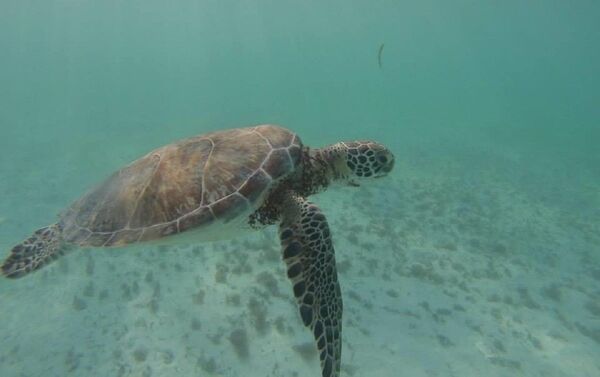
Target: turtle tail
<point>42,247</point>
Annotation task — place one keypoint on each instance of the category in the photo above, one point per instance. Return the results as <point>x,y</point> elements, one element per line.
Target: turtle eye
<point>382,159</point>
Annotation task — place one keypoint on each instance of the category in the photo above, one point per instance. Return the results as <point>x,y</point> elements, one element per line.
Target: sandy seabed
<point>442,275</point>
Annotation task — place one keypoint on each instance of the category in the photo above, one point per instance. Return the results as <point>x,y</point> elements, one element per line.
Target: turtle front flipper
<point>310,259</point>
<point>42,247</point>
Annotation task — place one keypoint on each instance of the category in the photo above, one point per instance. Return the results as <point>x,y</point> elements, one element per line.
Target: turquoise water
<point>478,255</point>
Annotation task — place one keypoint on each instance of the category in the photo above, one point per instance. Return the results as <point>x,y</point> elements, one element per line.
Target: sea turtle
<point>212,186</point>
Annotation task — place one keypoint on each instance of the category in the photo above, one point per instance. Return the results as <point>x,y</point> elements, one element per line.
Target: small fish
<point>379,54</point>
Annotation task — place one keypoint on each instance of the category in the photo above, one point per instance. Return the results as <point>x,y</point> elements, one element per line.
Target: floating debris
<point>380,55</point>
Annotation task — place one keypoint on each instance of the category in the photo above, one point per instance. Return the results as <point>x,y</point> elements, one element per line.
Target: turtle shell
<point>188,184</point>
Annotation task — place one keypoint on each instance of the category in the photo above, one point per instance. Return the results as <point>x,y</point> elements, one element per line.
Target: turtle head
<point>367,159</point>
<point>351,162</point>
<point>346,163</point>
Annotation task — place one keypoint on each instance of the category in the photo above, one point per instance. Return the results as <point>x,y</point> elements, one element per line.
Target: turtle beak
<point>353,183</point>
<point>389,165</point>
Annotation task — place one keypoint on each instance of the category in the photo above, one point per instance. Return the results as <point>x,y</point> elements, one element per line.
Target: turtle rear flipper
<point>309,256</point>
<point>41,248</point>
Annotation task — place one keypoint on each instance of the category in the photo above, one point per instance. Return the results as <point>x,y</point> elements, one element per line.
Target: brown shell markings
<point>183,185</point>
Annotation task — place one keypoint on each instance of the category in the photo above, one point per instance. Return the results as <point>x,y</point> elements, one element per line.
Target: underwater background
<point>478,255</point>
